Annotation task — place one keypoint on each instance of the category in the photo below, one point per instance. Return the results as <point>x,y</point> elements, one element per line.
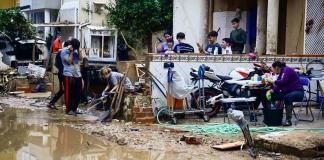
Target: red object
<point>56,46</point>
<point>245,75</point>
<point>194,141</point>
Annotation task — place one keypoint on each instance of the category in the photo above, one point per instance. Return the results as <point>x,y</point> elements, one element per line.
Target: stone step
<point>143,114</point>
<point>142,109</point>
<point>145,120</point>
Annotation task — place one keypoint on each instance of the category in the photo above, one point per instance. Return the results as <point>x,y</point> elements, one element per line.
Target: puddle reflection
<point>24,136</point>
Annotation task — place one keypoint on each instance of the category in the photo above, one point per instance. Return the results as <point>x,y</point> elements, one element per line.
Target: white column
<point>272,26</point>
<point>190,17</point>
<point>261,27</point>
<point>47,19</point>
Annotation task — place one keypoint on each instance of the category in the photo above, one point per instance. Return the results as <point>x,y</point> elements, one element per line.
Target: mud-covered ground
<point>150,137</point>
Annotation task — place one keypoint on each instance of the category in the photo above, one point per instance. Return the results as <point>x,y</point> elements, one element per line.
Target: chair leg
<point>321,109</point>
<point>308,108</point>
<point>295,115</point>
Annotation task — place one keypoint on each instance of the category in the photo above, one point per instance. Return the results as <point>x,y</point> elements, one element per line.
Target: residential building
<point>8,4</point>
<point>85,20</point>
<point>273,26</point>
<point>42,12</point>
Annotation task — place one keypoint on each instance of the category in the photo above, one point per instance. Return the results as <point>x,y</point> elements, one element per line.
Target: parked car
<point>19,52</point>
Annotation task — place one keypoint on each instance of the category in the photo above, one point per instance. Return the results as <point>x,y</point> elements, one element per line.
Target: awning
<point>55,25</point>
<point>100,28</point>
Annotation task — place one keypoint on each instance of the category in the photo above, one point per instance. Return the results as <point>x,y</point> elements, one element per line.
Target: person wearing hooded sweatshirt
<point>287,88</point>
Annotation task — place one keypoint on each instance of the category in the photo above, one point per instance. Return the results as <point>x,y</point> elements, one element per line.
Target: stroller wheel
<point>206,118</point>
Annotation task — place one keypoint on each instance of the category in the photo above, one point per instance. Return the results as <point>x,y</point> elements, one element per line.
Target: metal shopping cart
<point>175,91</point>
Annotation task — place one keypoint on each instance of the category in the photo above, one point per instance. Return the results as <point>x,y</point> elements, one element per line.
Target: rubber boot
<point>289,110</point>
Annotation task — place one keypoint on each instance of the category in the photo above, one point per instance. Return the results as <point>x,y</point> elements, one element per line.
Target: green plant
<point>14,24</point>
<point>140,18</point>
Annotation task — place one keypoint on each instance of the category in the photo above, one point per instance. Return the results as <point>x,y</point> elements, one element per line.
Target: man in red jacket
<point>57,44</point>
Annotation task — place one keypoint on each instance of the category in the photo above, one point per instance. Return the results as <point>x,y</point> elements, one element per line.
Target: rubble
<point>298,143</point>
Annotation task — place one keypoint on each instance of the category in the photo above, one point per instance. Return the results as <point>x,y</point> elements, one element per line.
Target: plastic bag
<point>178,87</point>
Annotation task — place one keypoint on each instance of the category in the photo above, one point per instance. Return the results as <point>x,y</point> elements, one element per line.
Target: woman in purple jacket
<point>287,88</point>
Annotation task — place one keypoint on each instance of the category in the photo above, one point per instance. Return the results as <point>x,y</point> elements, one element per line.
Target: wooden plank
<point>226,146</point>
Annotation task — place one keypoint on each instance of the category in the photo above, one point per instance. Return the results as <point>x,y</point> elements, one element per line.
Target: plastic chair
<point>306,84</point>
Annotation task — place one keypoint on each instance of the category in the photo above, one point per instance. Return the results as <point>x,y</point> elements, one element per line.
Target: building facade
<point>273,26</point>
<point>8,4</point>
<point>85,20</point>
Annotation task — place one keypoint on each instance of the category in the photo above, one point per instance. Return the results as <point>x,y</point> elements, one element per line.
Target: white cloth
<point>178,87</point>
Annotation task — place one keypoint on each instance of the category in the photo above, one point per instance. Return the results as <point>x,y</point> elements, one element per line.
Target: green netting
<point>225,128</point>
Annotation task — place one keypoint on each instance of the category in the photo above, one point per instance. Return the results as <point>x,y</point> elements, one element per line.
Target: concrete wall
<point>295,26</point>
<point>48,4</point>
<point>190,17</point>
<point>8,3</point>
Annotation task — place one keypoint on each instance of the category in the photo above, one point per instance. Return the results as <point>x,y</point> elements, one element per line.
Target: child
<point>213,48</point>
<point>226,45</point>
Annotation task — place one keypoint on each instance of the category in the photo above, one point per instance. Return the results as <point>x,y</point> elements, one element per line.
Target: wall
<point>8,3</point>
<point>190,17</point>
<point>295,26</point>
<point>49,4</point>
<point>68,11</point>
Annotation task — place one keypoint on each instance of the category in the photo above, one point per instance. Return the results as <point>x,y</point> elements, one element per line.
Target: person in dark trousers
<point>287,88</point>
<point>72,81</point>
<point>238,37</point>
<point>213,48</point>
<point>182,47</point>
<point>59,65</point>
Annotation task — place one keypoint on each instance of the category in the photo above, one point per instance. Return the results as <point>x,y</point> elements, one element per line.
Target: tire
<point>163,116</point>
<point>211,110</point>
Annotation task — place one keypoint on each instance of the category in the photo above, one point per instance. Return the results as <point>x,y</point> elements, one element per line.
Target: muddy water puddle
<point>40,135</point>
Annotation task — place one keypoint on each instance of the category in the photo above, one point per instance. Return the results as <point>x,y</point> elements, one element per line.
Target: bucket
<point>272,115</point>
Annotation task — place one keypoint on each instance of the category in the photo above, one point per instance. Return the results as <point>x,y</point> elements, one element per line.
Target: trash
<point>122,141</point>
<point>24,71</point>
<point>2,65</point>
<point>41,87</point>
<point>226,146</point>
<point>134,129</point>
<point>36,71</point>
<point>190,140</point>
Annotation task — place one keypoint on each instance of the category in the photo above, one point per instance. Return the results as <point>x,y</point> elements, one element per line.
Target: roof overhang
<point>55,25</point>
